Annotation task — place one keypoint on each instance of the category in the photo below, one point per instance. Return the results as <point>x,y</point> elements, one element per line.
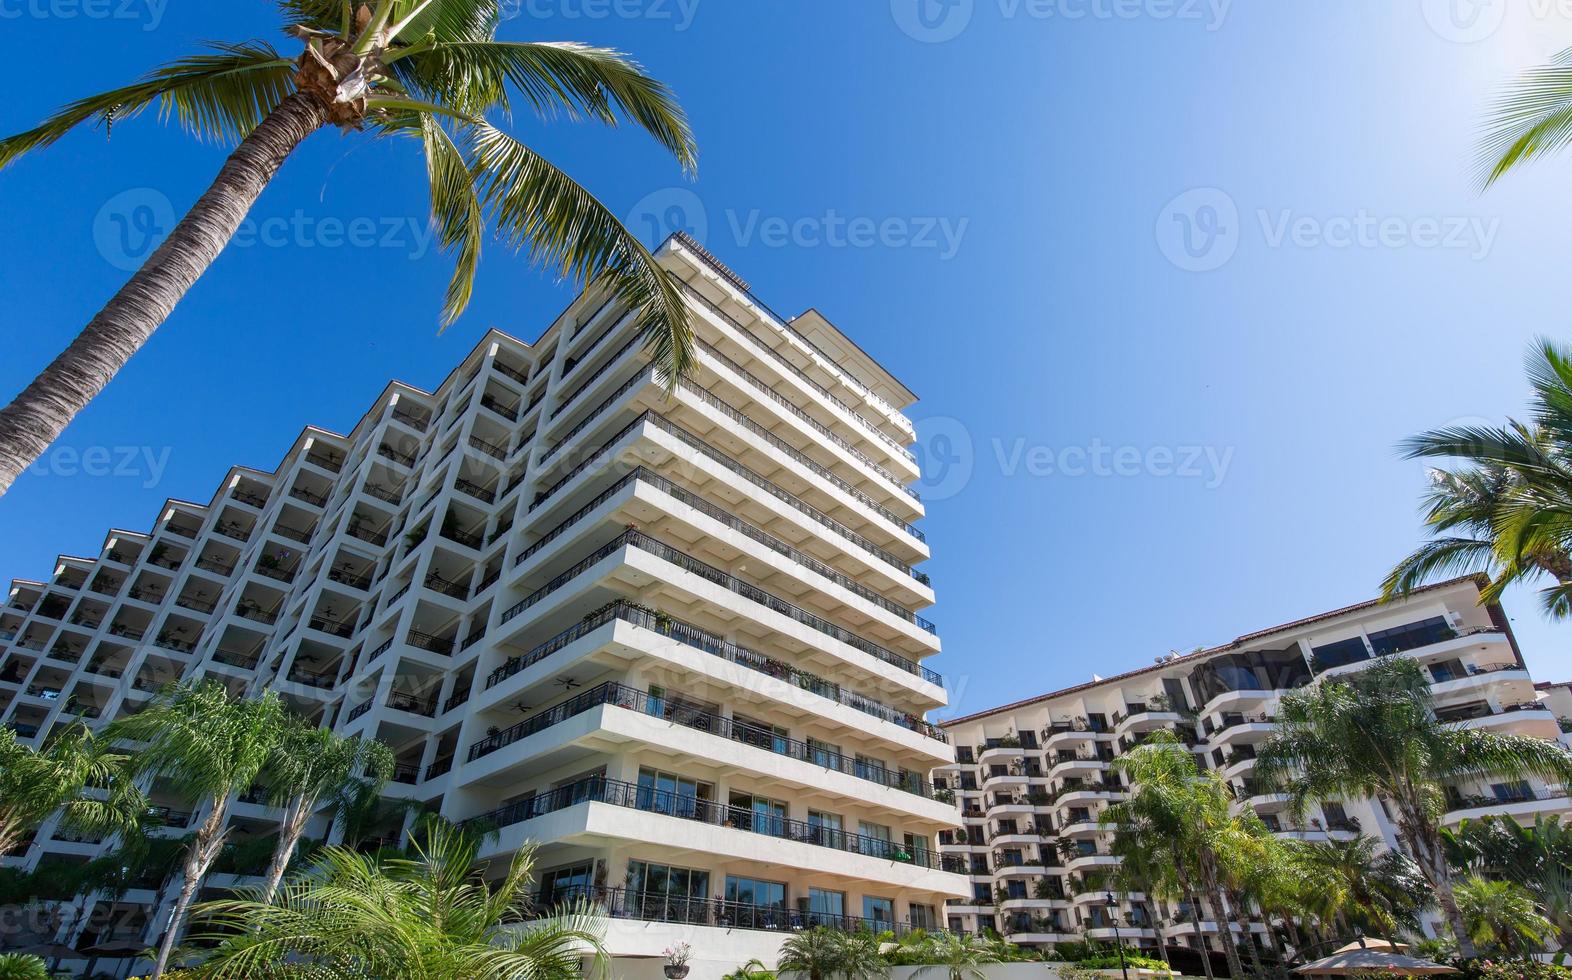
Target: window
<point>982,894</point>
<point>826,907</point>
<point>1349,651</point>
<point>825,828</point>
<point>880,910</point>
<point>758,814</point>
<point>875,839</point>
<point>750,731</point>
<point>824,754</point>
<point>667,894</point>
<point>752,891</point>
<point>664,792</point>
<point>1514,792</point>
<point>870,768</point>
<point>1412,635</point>
<point>917,847</point>
<point>922,917</point>
<point>567,884</point>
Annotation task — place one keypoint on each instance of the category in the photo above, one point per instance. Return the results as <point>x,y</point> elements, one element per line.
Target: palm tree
<point>1360,884</point>
<point>208,746</point>
<point>425,70</point>
<point>1503,917</point>
<point>19,966</point>
<point>1538,857</point>
<point>958,957</point>
<point>1375,734</point>
<point>433,914</point>
<point>35,784</point>
<point>311,765</point>
<point>1529,120</point>
<point>823,953</point>
<point>1188,810</point>
<point>1507,513</point>
<point>754,969</point>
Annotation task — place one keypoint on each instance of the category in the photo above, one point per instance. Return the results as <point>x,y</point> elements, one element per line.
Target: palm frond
<point>1532,118</point>
<point>541,210</point>
<point>457,211</point>
<point>1436,559</point>
<point>220,96</point>
<point>557,77</point>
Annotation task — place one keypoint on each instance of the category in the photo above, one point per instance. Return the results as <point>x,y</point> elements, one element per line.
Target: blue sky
<point>1171,277</point>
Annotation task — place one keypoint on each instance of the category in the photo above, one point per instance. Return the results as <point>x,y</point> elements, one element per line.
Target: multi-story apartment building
<point>1031,779</point>
<point>672,636</point>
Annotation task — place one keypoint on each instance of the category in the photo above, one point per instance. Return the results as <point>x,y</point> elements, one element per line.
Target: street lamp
<point>1113,916</point>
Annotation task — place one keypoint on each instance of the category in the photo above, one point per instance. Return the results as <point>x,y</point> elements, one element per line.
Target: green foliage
<point>1076,951</point>
<point>751,970</point>
<point>1134,962</point>
<point>1502,917</point>
<point>16,966</point>
<point>1484,969</point>
<point>822,953</point>
<point>438,913</point>
<point>34,784</point>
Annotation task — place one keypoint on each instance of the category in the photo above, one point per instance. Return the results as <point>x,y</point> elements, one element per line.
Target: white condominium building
<point>674,638</point>
<point>1031,779</point>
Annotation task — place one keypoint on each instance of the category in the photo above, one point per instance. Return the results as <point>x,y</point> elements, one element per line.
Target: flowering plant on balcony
<point>678,955</point>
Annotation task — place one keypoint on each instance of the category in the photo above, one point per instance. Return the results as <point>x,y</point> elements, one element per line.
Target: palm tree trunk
<point>1214,894</point>
<point>1200,934</point>
<point>37,416</point>
<point>1425,845</point>
<point>199,857</point>
<point>1277,946</point>
<point>290,829</point>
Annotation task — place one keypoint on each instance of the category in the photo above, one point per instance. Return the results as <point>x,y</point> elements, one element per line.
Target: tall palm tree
<point>310,766</point>
<point>36,783</point>
<point>1502,917</point>
<point>1359,883</point>
<point>1375,734</point>
<point>431,71</point>
<point>1187,809</point>
<point>434,914</point>
<point>1507,512</point>
<point>208,746</point>
<point>1538,857</point>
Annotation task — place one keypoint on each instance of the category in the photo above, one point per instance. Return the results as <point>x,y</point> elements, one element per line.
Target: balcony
<point>715,645</point>
<point>620,696</point>
<point>613,792</point>
<point>637,539</point>
<point>620,903</point>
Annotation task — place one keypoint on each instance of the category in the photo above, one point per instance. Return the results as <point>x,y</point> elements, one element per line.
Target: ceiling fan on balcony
<point>568,683</point>
<point>520,707</point>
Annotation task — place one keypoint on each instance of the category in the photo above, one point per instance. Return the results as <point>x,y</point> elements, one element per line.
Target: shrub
<point>1512,970</point>
<point>15,966</point>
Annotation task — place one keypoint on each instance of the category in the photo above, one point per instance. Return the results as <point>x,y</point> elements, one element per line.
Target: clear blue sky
<point>1086,158</point>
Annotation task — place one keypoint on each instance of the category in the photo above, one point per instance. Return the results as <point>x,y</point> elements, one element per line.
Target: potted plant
<point>677,960</point>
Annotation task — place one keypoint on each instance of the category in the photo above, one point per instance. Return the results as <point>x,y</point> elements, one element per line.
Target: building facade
<point>1031,779</point>
<point>673,636</point>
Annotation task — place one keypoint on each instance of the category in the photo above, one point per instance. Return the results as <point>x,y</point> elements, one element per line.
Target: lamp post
<point>1113,916</point>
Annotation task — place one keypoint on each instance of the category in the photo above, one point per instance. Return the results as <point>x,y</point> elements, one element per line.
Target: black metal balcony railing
<point>388,452</point>
<point>638,539</point>
<point>509,412</point>
<point>359,710</point>
<point>474,490</point>
<point>736,524</point>
<point>441,767</point>
<point>701,639</point>
<point>798,372</point>
<point>412,703</point>
<point>621,903</point>
<point>643,376</point>
<point>326,461</point>
<point>447,587</point>
<point>682,713</point>
<point>510,372</point>
<point>595,376</point>
<point>256,500</point>
<point>489,448</point>
<point>344,576</point>
<point>314,499</point>
<point>598,789</point>
<point>432,644</point>
<point>792,409</point>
